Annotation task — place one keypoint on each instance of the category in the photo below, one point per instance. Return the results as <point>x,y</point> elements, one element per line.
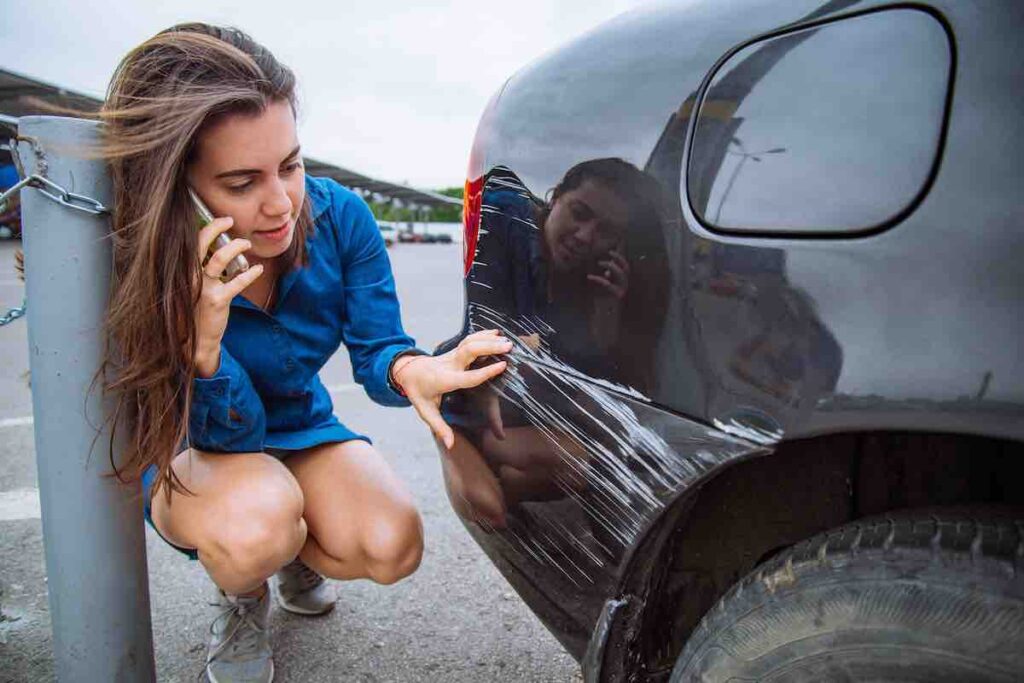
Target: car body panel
<point>855,290</point>
<point>737,342</point>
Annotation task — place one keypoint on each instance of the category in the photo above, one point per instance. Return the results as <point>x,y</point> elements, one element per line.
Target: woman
<point>244,465</point>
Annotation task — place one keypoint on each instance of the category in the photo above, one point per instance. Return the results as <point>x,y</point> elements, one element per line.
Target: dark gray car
<point>764,418</point>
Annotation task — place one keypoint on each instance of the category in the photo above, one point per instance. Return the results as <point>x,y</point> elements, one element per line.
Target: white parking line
<point>11,422</point>
<point>24,503</point>
<point>19,504</point>
<point>15,422</point>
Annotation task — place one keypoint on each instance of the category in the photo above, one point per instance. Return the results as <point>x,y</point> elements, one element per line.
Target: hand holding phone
<point>237,265</point>
<point>225,274</point>
<point>611,273</point>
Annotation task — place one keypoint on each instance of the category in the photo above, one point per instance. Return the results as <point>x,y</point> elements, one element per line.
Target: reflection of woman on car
<point>577,275</point>
<point>575,280</point>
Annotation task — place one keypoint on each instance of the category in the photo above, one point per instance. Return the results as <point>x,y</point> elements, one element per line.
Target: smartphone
<point>595,267</point>
<point>236,265</point>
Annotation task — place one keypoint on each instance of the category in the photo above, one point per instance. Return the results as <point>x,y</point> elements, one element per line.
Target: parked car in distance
<point>408,236</point>
<point>436,238</point>
<point>389,233</point>
<point>765,411</point>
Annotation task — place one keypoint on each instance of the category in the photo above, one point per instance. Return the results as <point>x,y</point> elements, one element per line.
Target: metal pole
<point>732,179</point>
<point>92,525</point>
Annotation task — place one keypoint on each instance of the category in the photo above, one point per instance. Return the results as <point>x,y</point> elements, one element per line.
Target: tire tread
<point>980,543</point>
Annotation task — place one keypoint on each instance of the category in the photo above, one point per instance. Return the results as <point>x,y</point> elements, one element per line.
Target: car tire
<point>930,595</point>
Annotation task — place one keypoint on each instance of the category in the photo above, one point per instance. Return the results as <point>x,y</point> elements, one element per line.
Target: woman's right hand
<point>215,296</point>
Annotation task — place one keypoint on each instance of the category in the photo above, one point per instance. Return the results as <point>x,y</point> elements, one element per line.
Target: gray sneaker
<point>240,642</point>
<point>301,590</point>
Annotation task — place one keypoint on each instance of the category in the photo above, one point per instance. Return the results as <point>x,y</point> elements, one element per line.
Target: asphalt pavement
<point>456,619</point>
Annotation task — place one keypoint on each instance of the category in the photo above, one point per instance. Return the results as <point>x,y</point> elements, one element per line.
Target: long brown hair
<point>161,97</point>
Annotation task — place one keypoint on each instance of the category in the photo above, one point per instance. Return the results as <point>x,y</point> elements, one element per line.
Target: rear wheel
<point>924,596</point>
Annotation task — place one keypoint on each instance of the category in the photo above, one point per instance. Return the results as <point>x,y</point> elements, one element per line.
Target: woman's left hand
<point>425,379</point>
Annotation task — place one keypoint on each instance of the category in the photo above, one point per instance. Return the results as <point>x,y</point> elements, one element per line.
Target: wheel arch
<point>712,536</point>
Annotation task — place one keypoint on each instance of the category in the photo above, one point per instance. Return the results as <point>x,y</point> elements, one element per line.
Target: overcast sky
<point>389,89</point>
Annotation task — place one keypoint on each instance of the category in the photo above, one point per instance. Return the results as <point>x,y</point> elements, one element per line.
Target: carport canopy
<point>22,95</point>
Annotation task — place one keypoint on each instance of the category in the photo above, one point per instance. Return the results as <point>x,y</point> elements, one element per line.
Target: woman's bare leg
<point>361,519</point>
<point>244,519</point>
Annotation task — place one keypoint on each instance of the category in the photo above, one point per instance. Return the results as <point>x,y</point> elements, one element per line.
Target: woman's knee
<point>393,545</point>
<point>259,529</point>
<point>256,548</point>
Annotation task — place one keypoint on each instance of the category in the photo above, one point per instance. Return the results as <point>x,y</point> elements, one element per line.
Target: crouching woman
<point>245,466</point>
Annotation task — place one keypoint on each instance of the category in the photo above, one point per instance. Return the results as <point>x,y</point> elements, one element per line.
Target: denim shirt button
<point>289,364</point>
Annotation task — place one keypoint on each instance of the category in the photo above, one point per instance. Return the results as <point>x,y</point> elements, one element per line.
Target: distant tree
<point>449,214</point>
<point>385,211</point>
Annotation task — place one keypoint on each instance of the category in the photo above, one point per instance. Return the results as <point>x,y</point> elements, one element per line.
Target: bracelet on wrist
<point>398,373</point>
<point>392,375</point>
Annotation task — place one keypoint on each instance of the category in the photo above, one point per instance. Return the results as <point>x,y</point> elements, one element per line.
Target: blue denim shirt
<point>266,392</point>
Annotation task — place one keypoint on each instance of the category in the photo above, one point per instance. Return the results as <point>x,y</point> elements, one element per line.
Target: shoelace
<point>304,576</point>
<point>244,638</point>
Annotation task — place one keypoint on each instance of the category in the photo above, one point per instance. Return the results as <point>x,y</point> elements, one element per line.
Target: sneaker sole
<point>213,679</point>
<point>288,607</point>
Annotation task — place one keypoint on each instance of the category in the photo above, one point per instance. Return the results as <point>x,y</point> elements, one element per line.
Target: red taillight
<point>471,198</point>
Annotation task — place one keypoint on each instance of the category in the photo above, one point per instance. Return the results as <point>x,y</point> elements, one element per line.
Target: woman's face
<point>584,225</point>
<point>248,167</point>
